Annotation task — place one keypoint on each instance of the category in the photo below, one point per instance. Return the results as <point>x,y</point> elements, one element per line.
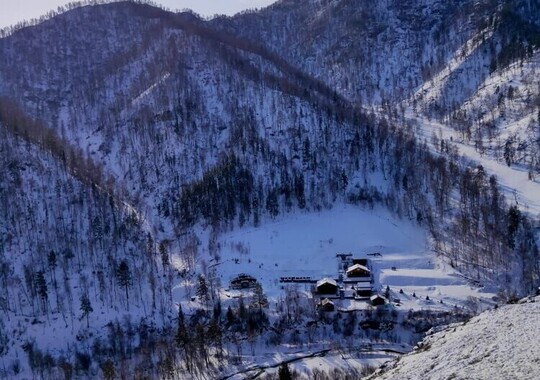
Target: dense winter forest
<point>133,137</point>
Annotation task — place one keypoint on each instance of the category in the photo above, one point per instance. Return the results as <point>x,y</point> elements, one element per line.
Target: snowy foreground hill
<point>497,344</point>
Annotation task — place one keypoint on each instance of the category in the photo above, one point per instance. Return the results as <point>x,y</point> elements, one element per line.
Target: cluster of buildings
<point>354,281</point>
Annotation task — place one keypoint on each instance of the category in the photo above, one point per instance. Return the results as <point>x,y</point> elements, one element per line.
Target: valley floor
<point>305,244</point>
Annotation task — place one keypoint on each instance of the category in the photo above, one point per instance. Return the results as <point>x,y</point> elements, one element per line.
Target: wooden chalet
<point>243,281</point>
<point>358,270</point>
<point>327,286</point>
<point>327,305</point>
<point>377,300</point>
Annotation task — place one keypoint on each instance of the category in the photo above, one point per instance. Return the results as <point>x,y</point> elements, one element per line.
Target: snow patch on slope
<point>514,180</point>
<point>433,88</point>
<point>504,348</point>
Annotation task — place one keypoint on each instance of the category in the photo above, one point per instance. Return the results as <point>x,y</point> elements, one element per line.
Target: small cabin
<point>358,270</point>
<point>243,281</point>
<point>327,305</point>
<point>327,286</point>
<point>377,300</point>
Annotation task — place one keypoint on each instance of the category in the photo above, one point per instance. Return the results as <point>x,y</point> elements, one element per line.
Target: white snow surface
<point>497,344</point>
<point>306,244</point>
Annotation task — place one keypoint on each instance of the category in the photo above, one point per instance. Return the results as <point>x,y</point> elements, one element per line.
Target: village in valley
<point>354,281</point>
<point>347,278</point>
<point>369,259</point>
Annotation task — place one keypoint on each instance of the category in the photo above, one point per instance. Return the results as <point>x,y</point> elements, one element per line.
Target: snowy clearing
<point>306,243</point>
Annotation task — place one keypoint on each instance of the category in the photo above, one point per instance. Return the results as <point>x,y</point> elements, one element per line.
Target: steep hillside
<point>159,114</point>
<point>372,53</point>
<point>471,63</point>
<point>74,261</point>
<point>494,345</point>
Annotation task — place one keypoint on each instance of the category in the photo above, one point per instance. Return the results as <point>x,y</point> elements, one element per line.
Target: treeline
<point>228,192</point>
<point>79,165</point>
<point>518,36</point>
<point>7,31</point>
<point>224,191</point>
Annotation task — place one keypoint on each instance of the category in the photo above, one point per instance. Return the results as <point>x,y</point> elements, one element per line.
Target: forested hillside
<point>472,64</point>
<point>74,260</point>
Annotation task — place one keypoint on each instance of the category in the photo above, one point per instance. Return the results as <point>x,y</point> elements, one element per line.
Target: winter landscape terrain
<point>312,190</point>
<point>497,336</point>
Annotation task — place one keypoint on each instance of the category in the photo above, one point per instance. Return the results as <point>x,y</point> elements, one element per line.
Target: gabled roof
<point>326,301</point>
<point>326,280</point>
<point>356,267</point>
<point>375,296</point>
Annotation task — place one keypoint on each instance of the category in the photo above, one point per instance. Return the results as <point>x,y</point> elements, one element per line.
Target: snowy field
<point>306,244</point>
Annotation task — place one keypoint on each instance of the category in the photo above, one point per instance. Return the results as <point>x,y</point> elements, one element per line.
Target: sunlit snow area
<point>494,345</point>
<point>306,244</point>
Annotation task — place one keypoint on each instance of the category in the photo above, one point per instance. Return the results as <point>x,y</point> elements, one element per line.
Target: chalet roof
<point>376,296</point>
<point>357,267</point>
<point>326,301</point>
<point>326,280</point>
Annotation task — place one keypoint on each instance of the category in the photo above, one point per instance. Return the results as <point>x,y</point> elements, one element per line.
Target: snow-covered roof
<point>356,267</point>
<point>375,296</point>
<point>326,301</point>
<point>360,285</point>
<point>326,280</point>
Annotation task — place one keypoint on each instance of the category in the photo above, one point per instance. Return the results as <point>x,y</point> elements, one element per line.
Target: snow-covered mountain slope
<point>62,243</point>
<point>372,53</point>
<point>497,344</point>
<point>488,91</point>
<point>159,113</point>
<point>471,63</point>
